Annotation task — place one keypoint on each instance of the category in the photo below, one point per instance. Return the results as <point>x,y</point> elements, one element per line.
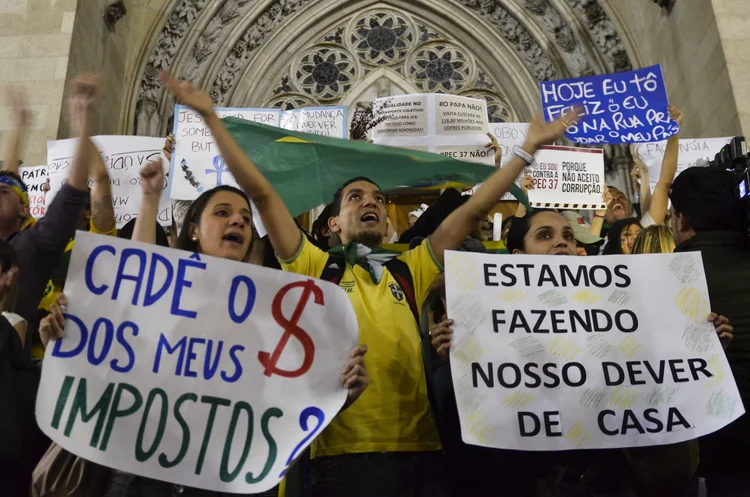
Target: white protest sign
<point>560,353</point>
<point>324,121</point>
<point>124,157</point>
<point>445,124</point>
<point>197,164</point>
<point>690,151</point>
<point>509,135</point>
<point>190,369</point>
<point>567,178</point>
<point>34,177</point>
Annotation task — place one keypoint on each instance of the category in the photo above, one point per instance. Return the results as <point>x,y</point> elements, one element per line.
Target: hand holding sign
<point>188,95</point>
<point>355,378</point>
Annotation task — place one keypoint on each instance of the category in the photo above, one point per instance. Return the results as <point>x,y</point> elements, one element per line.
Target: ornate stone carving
<point>325,73</point>
<point>382,37</point>
<point>516,35</point>
<point>440,67</point>
<point>498,109</point>
<point>603,32</point>
<point>246,46</point>
<point>167,44</point>
<point>113,13</point>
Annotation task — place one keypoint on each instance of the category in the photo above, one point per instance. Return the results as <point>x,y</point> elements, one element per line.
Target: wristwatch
<point>523,155</point>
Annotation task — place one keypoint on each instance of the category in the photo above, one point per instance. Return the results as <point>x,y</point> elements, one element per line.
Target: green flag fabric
<point>307,169</point>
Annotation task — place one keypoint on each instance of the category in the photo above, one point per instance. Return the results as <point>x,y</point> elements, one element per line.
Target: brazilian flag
<point>307,169</point>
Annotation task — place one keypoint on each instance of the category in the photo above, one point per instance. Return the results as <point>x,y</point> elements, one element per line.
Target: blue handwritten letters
<point>190,369</point>
<point>627,107</point>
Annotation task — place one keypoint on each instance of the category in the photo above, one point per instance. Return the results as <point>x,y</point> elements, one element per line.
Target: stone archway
<point>295,53</point>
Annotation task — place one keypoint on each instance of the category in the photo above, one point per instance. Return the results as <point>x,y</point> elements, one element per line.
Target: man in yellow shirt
<point>386,443</point>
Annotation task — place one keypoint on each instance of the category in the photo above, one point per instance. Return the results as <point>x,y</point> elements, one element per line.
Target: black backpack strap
<point>400,271</point>
<point>334,270</point>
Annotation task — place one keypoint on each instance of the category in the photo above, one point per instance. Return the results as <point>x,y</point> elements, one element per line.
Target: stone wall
<point>690,45</point>
<point>35,38</point>
<point>733,20</point>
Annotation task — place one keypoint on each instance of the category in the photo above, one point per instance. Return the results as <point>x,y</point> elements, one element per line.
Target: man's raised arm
<point>460,223</point>
<point>282,229</point>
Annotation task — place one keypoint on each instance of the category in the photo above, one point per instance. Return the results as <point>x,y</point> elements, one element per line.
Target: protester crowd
<point>399,432</point>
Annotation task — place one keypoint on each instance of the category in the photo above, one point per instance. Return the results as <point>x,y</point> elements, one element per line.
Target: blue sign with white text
<point>625,107</point>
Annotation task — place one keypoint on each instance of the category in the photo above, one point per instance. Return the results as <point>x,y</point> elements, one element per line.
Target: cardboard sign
<point>190,369</point>
<point>324,121</point>
<point>124,157</point>
<point>560,353</point>
<point>445,124</point>
<point>35,177</point>
<point>568,178</point>
<point>690,152</point>
<point>624,107</point>
<point>509,135</point>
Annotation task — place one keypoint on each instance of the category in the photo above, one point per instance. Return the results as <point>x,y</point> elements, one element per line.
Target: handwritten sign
<point>445,124</point>
<point>197,164</point>
<point>568,178</point>
<point>508,135</point>
<point>35,177</point>
<point>625,107</point>
<point>124,157</point>
<point>690,152</point>
<point>324,121</point>
<point>560,353</point>
<point>190,369</point>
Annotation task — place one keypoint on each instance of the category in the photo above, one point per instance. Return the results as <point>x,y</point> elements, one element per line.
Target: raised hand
<point>152,179</point>
<point>676,114</point>
<point>51,327</point>
<point>541,132</point>
<point>19,104</point>
<point>527,183</point>
<point>355,377</point>
<point>494,145</point>
<point>84,93</point>
<point>168,146</point>
<point>188,95</point>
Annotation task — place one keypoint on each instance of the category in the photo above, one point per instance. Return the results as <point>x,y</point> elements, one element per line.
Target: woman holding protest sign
<point>218,224</point>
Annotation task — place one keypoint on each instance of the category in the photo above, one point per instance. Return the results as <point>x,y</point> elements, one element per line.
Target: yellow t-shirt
<point>393,414</point>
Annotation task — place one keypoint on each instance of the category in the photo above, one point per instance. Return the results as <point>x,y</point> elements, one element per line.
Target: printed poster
<point>194,370</point>
<point>568,178</point>
<point>561,353</point>
<point>445,124</point>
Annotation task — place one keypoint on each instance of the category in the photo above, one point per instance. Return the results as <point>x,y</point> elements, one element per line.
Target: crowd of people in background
<point>399,432</point>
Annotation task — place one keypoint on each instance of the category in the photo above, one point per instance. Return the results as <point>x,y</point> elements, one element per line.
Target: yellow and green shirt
<point>393,414</point>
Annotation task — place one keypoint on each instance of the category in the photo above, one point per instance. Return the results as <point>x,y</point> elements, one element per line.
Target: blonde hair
<point>654,240</point>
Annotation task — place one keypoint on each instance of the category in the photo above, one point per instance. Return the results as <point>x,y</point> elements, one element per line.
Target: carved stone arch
<point>221,44</point>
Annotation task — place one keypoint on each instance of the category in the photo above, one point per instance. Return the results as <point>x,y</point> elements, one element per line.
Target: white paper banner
<point>324,121</point>
<point>124,157</point>
<point>690,151</point>
<point>568,178</point>
<point>193,370</point>
<point>508,135</point>
<point>34,177</point>
<point>197,164</point>
<point>433,122</point>
<point>560,353</point>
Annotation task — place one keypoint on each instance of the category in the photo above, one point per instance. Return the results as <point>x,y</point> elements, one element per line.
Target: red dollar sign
<point>290,328</point>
